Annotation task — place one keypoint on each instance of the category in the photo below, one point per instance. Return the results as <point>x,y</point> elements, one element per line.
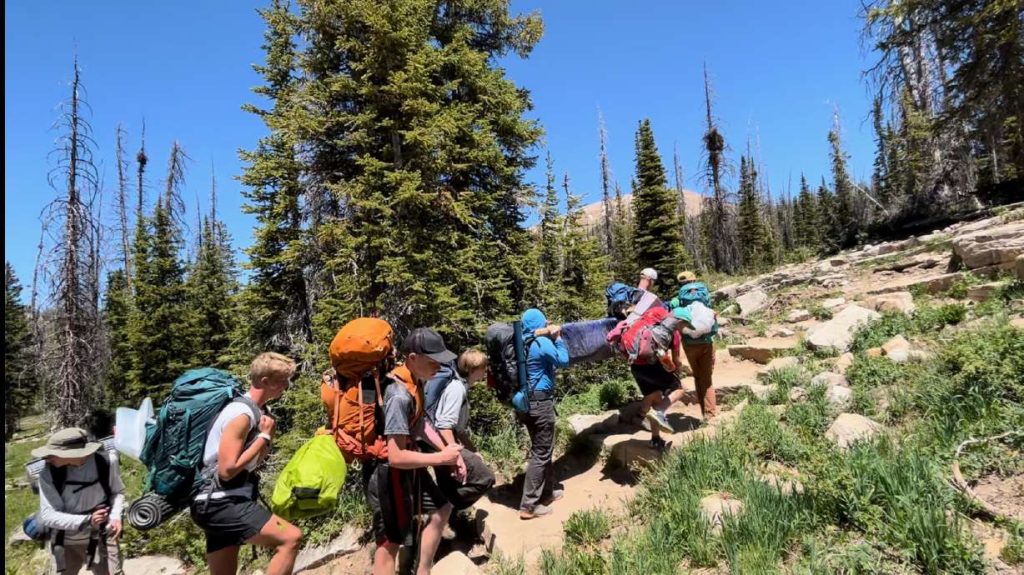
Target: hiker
<point>225,503</point>
<point>647,278</point>
<point>388,484</point>
<point>659,381</point>
<point>699,347</point>
<point>81,497</point>
<point>450,411</point>
<point>543,356</point>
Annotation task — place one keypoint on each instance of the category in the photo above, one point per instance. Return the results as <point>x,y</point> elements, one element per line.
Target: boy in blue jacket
<point>543,356</point>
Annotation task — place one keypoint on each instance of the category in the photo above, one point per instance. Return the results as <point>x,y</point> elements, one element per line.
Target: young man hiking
<point>699,347</point>
<point>226,506</point>
<point>389,483</point>
<point>543,356</point>
<point>81,497</point>
<point>660,386</point>
<point>447,395</point>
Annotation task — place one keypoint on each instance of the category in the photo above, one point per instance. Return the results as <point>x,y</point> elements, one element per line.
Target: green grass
<point>587,527</point>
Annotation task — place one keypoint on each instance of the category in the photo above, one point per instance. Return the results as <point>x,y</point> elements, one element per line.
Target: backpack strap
<point>528,341</point>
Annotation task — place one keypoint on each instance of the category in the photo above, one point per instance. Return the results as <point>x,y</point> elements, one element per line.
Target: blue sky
<point>778,70</point>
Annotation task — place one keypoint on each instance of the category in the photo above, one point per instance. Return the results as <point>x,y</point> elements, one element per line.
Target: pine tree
<point>879,173</point>
<point>161,342</point>
<point>411,126</point>
<point>20,381</point>
<point>117,317</point>
<point>584,272</point>
<point>606,179</point>
<point>276,301</point>
<point>685,254</point>
<point>807,223</point>
<point>550,238</point>
<point>657,233</point>
<point>845,223</point>
<point>828,219</point>
<point>755,238</point>
<point>623,259</point>
<point>212,288</point>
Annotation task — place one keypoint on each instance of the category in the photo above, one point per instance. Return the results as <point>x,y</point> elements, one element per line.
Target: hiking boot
<point>658,418</point>
<point>538,511</point>
<point>658,444</point>
<point>555,496</point>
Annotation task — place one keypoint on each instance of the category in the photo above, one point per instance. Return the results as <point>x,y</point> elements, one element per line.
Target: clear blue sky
<point>778,69</point>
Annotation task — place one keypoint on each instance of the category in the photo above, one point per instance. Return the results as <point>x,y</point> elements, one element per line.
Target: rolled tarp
<point>586,340</point>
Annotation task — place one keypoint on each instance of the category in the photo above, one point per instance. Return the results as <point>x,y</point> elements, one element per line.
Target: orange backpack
<point>361,353</point>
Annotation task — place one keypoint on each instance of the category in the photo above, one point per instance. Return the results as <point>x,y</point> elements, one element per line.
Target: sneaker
<point>658,444</point>
<point>645,424</point>
<point>658,418</point>
<point>555,496</point>
<point>538,511</point>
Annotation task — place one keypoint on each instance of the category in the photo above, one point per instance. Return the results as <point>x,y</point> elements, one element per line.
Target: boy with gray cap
<point>80,501</point>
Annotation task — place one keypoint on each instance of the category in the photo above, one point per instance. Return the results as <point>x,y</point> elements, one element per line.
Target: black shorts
<point>653,378</point>
<point>390,495</point>
<point>229,522</point>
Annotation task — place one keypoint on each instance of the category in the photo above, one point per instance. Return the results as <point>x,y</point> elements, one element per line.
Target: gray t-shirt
<point>453,408</point>
<point>399,409</point>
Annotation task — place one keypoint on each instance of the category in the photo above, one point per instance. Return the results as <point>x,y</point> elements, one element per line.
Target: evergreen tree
<point>20,382</point>
<point>276,302</point>
<point>657,233</point>
<point>584,273</point>
<point>550,237</point>
<point>750,226</point>
<point>623,264</point>
<point>845,225</point>
<point>828,220</point>
<point>212,288</point>
<point>117,315</point>
<point>807,224</point>
<point>879,173</point>
<point>416,133</point>
<point>160,339</point>
<point>718,230</point>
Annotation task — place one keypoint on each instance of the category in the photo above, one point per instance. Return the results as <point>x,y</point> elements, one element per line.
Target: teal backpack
<point>691,292</point>
<point>173,452</point>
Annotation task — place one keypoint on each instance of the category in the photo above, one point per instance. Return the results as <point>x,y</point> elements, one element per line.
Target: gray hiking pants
<point>540,472</point>
<point>76,558</point>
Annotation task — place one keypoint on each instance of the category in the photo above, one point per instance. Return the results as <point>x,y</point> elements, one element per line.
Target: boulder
<point>996,246</point>
<point>762,349</point>
<point>783,363</point>
<point>798,315</point>
<point>850,428</point>
<point>830,379</point>
<point>725,292</point>
<point>984,292</point>
<point>592,423</point>
<point>455,563</point>
<point>716,505</point>
<point>316,556</point>
<point>844,362</point>
<point>839,396</point>
<point>901,301</point>
<point>752,302</point>
<point>797,393</point>
<point>931,284</point>
<point>777,331</point>
<point>154,565</point>
<point>898,343</point>
<point>874,352</point>
<point>837,333</point>
<point>833,302</point>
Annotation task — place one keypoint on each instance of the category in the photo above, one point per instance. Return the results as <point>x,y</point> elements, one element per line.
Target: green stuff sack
<point>310,483</point>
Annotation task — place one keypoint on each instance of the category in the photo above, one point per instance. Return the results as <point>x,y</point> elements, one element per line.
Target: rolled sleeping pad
<point>586,340</point>
<point>149,511</point>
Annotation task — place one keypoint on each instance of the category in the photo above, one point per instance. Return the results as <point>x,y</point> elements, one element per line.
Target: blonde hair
<point>471,360</point>
<point>268,364</point>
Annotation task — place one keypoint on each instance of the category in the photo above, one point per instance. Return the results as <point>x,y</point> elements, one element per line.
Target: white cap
<point>650,274</point>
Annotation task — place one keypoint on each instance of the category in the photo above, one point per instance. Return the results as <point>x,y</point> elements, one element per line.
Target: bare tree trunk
<point>141,159</point>
<point>606,177</point>
<point>122,208</point>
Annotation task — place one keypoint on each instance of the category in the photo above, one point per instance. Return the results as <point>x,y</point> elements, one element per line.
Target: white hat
<point>650,274</point>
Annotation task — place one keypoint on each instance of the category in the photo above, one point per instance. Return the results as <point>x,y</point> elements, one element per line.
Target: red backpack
<point>637,340</point>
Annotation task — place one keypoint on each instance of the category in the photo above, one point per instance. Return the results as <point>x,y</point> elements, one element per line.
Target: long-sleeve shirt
<point>70,512</point>
<point>543,357</point>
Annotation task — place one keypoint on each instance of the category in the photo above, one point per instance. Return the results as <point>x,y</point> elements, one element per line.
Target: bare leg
<point>432,538</point>
<point>284,538</point>
<point>223,561</point>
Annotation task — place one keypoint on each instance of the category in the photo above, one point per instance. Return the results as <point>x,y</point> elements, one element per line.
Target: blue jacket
<point>543,355</point>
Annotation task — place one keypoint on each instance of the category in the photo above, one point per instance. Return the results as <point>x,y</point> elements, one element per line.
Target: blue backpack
<point>173,452</point>
<point>691,292</point>
<point>617,293</point>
